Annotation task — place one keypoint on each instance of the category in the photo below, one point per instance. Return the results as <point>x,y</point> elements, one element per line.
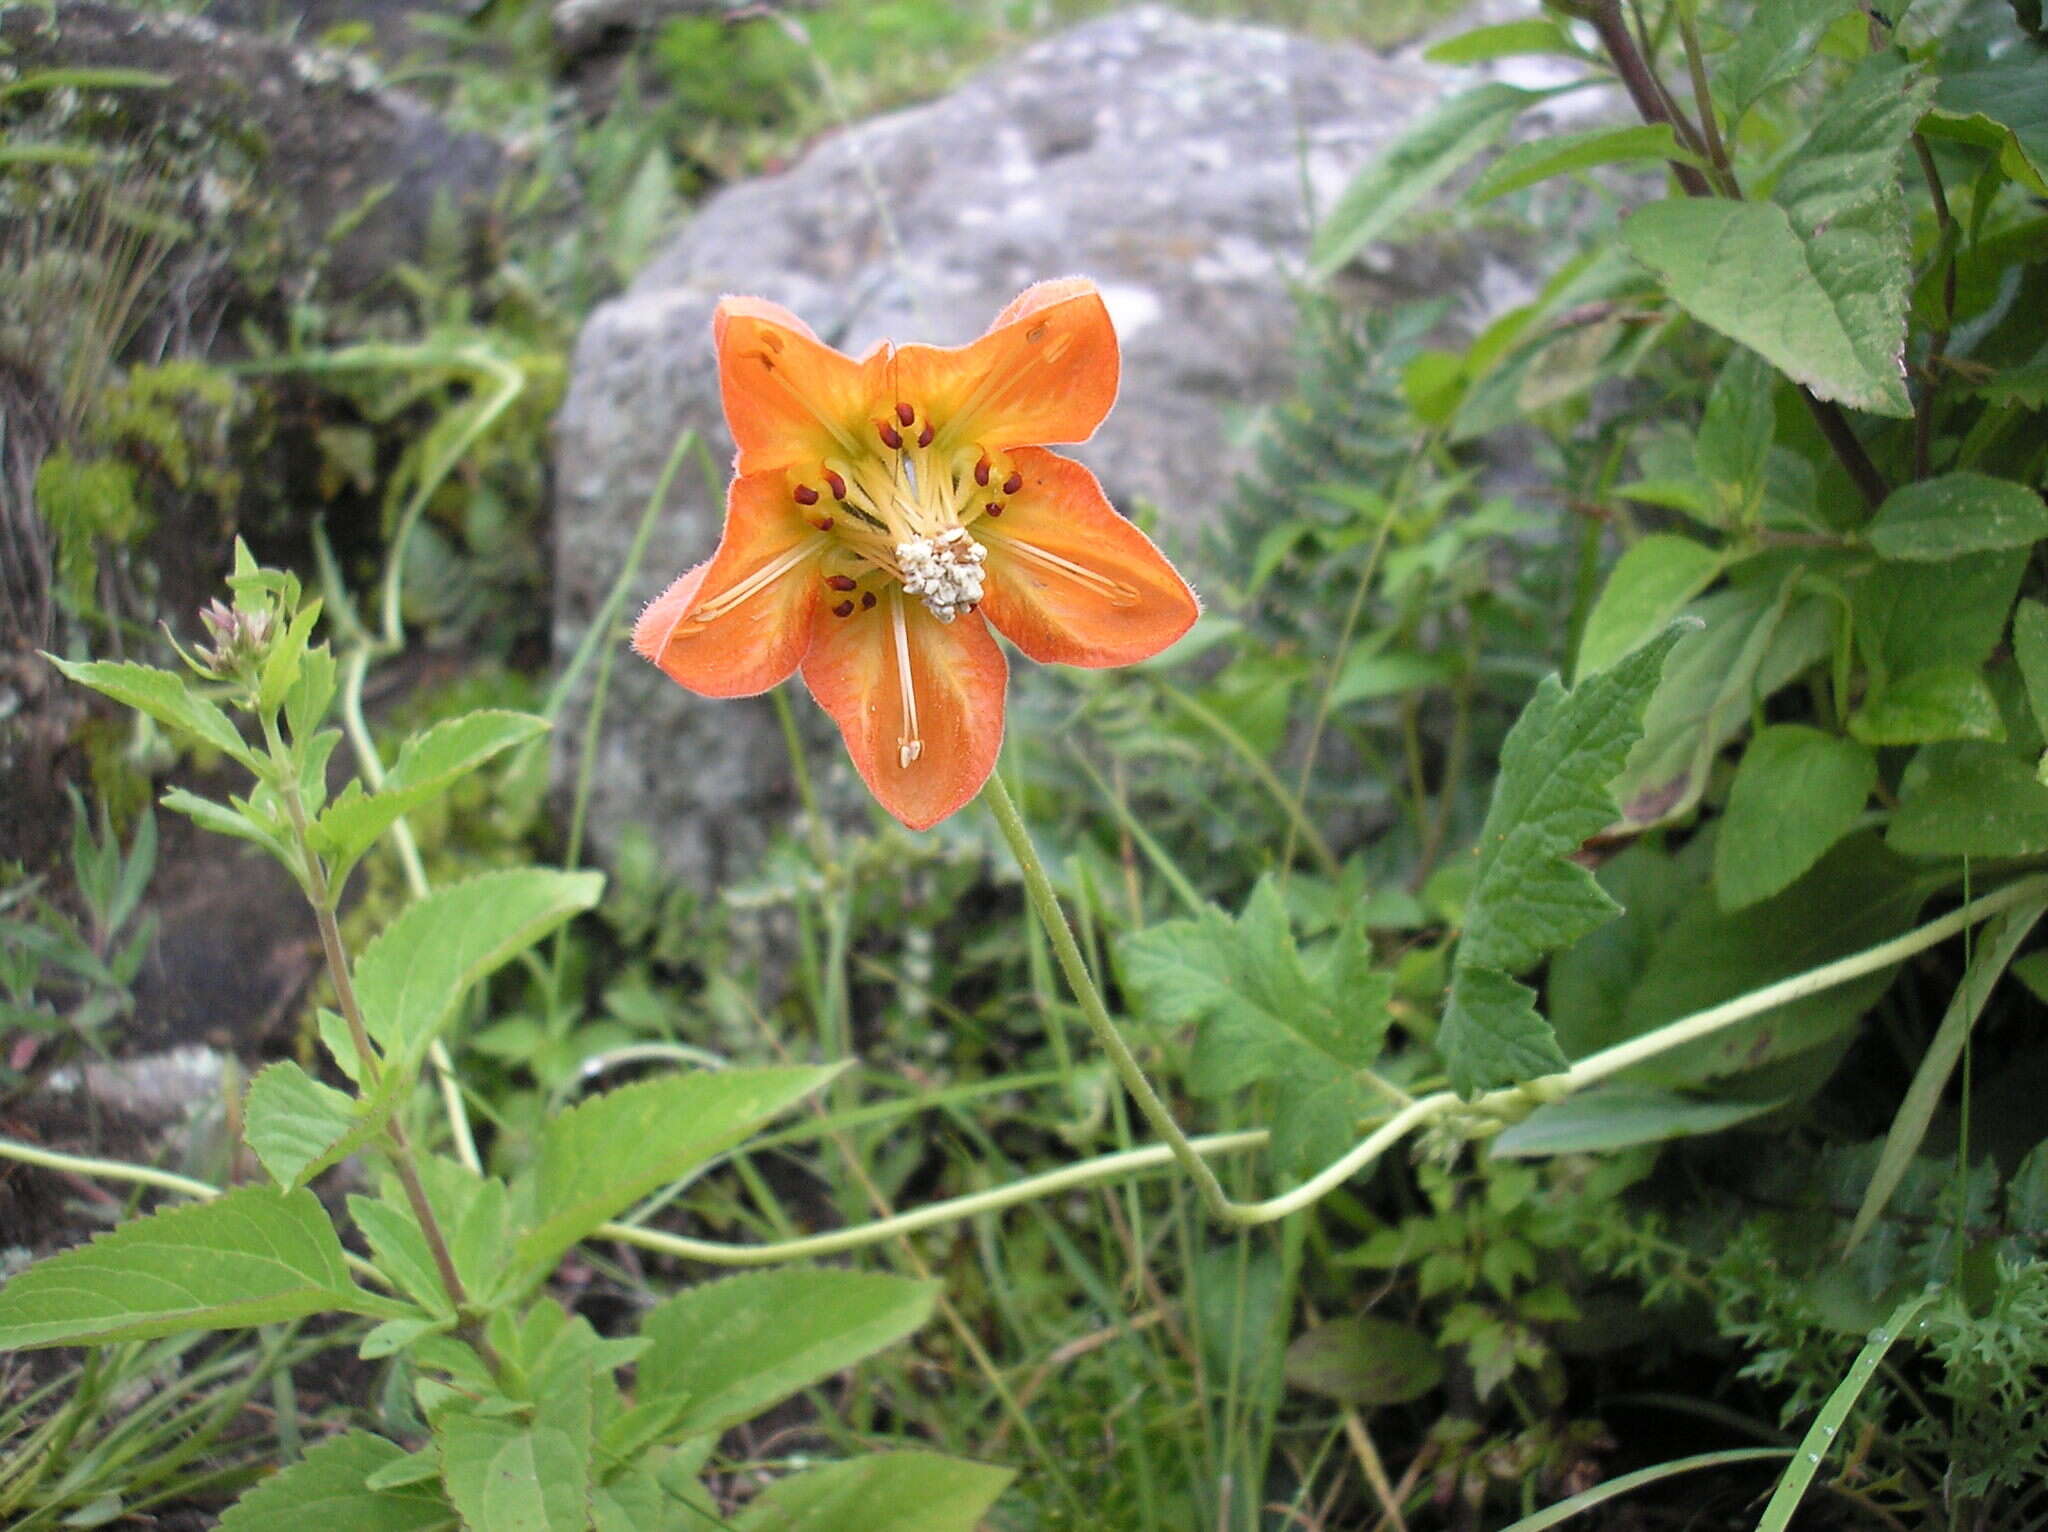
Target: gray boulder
<point>1180,163</point>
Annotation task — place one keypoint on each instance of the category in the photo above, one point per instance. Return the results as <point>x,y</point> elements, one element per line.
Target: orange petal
<point>1046,371</point>
<point>1070,582</point>
<point>855,669</point>
<point>789,397</point>
<point>741,621</point>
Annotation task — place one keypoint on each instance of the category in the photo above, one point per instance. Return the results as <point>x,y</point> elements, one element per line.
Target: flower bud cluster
<point>240,639</point>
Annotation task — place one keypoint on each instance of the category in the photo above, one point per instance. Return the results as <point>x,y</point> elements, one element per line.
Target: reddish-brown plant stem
<point>1642,87</point>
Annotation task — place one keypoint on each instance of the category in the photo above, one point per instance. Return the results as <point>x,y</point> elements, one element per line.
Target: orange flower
<point>883,512</point>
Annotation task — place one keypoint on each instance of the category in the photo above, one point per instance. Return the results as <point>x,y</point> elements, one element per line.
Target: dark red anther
<point>1013,483</point>
<point>891,437</point>
<point>867,600</point>
<point>924,437</point>
<point>844,609</point>
<point>836,484</point>
<point>805,495</point>
<point>993,509</point>
<point>905,414</point>
<point>841,582</point>
<point>822,523</point>
<point>981,472</point>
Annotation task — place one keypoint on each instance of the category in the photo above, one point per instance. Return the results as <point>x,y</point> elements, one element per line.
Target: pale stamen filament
<point>910,744</point>
<point>766,575</point>
<point>1116,592</point>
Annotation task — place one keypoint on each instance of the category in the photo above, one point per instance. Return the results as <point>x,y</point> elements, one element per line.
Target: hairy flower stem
<point>313,873</point>
<point>1046,904</point>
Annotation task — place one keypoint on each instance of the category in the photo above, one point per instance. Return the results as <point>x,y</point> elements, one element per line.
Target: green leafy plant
<point>518,1399</point>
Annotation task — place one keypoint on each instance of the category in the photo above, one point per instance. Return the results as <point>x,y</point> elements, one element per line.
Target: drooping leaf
<point>1732,452</point>
<point>1529,897</point>
<point>726,1350</point>
<point>1267,1014</point>
<point>1797,792</point>
<point>251,1257</point>
<point>1957,513</point>
<point>325,1491</point>
<point>1418,162</point>
<point>1540,159</point>
<point>1364,1360</point>
<point>881,1492</point>
<point>2030,649</point>
<point>409,979</point>
<point>1507,39</point>
<point>1970,799</point>
<point>603,1156</point>
<point>1649,585</point>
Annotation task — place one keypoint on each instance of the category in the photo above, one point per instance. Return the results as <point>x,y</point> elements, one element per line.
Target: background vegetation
<point>1801,1257</point>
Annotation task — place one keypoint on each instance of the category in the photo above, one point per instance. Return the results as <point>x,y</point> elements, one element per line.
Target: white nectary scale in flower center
<point>945,570</point>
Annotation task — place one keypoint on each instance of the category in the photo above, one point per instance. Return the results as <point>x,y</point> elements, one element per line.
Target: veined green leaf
<point>296,1125</point>
<point>1649,585</point>
<point>428,765</point>
<point>606,1154</point>
<point>1797,792</point>
<point>726,1350</point>
<point>325,1491</point>
<point>1611,1117</point>
<point>1957,513</point>
<point>1418,162</point>
<point>1529,897</point>
<point>166,697</point>
<point>251,1257</point>
<point>2011,99</point>
<point>1772,47</point>
<point>1935,703</point>
<point>1539,160</point>
<point>1970,799</point>
<point>409,979</point>
<point>882,1492</point>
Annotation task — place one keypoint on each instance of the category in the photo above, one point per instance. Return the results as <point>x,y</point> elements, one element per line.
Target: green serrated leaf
<point>327,1490</point>
<point>296,1125</point>
<point>1649,585</point>
<point>2010,97</point>
<point>1733,449</point>
<point>1937,703</point>
<point>164,696</point>
<point>1797,792</point>
<point>1970,799</point>
<point>251,1257</point>
<point>1422,159</point>
<point>604,1155</point>
<point>882,1492</point>
<point>1526,164</point>
<point>1957,513</point>
<point>410,977</point>
<point>726,1350</point>
<point>222,820</point>
<point>1529,897</point>
<point>428,765</point>
<point>1910,616</point>
<point>1773,46</point>
<point>1265,1015</point>
<point>506,1476</point>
